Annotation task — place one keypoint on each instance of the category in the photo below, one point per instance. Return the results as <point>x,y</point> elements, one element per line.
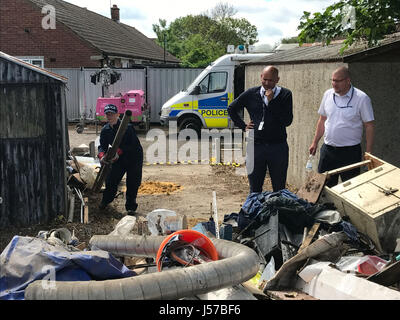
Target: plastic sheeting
<point>27,259</point>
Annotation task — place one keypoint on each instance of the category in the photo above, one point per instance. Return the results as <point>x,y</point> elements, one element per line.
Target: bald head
<point>269,77</point>
<point>271,70</point>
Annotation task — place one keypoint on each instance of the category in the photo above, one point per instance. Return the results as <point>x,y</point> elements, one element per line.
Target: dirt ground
<point>186,189</point>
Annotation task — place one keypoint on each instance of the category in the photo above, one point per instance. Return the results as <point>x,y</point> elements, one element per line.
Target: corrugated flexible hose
<point>237,263</point>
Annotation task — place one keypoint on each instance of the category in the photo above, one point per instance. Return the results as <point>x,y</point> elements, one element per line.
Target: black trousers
<point>275,158</point>
<point>133,170</point>
<point>336,157</point>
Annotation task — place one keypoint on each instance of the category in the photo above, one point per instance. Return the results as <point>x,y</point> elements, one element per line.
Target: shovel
<point>312,188</point>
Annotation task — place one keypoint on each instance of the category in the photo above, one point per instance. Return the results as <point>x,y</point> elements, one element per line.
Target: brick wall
<point>21,34</point>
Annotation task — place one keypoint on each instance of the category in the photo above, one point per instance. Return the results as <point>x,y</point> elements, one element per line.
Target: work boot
<point>131,212</point>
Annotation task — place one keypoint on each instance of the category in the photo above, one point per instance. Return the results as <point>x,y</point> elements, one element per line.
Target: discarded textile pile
<point>273,223</point>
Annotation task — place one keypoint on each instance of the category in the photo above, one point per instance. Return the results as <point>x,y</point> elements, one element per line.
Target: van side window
<point>214,82</point>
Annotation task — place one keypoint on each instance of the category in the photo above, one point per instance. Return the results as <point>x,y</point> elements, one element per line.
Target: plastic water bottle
<point>309,164</point>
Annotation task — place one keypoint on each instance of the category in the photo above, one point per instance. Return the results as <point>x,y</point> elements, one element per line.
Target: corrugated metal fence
<point>162,84</point>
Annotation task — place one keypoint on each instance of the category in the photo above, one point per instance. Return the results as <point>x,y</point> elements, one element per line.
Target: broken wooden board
<point>86,211</point>
<point>313,186</point>
<point>292,294</point>
<point>310,236</point>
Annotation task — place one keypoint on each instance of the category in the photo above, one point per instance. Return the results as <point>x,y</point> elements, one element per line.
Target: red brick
<point>67,48</point>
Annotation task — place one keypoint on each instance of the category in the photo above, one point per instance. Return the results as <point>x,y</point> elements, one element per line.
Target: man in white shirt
<point>344,112</point>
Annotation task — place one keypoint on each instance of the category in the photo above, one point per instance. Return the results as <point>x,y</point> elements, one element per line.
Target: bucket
<point>174,223</point>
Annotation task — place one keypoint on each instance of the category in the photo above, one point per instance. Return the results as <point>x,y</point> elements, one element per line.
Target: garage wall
<point>380,81</point>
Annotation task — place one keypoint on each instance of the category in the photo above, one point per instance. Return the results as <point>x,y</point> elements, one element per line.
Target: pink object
<point>133,100</point>
<point>371,265</point>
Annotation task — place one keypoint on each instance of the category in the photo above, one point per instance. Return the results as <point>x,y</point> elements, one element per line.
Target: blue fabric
<point>350,231</point>
<point>255,200</point>
<point>27,259</point>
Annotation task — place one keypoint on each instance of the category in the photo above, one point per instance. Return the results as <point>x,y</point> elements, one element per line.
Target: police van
<point>204,103</point>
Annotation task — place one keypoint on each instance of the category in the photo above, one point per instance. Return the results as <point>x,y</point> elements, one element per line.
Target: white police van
<point>204,103</point>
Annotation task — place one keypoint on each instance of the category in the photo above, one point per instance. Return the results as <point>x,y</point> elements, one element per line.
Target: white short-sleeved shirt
<point>345,116</point>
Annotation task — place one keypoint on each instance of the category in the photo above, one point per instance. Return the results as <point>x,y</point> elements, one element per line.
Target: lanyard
<point>348,102</point>
<point>265,106</point>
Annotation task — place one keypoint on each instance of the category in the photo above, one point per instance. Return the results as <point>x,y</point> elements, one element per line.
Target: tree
<point>198,40</point>
<point>222,11</point>
<point>353,20</point>
<point>290,40</point>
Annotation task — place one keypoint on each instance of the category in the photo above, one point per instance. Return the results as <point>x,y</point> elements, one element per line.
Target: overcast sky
<point>274,19</point>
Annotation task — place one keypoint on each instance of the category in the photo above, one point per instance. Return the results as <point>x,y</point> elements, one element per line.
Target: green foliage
<point>372,21</point>
<point>198,40</point>
<point>290,40</point>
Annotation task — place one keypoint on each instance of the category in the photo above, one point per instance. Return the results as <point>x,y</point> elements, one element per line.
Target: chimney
<point>115,13</point>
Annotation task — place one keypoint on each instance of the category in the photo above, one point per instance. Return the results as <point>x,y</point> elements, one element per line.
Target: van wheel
<point>191,123</point>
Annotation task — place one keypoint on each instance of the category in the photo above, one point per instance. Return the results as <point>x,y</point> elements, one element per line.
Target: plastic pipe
<point>237,264</point>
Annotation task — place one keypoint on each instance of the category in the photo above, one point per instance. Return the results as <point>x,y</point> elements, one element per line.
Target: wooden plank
<point>347,168</point>
<point>310,236</point>
<point>292,294</point>
<point>86,211</point>
<point>312,188</point>
<point>215,214</point>
<point>101,176</point>
<point>375,162</point>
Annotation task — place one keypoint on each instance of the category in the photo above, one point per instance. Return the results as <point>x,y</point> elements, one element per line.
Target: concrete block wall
<point>21,34</point>
<point>380,80</point>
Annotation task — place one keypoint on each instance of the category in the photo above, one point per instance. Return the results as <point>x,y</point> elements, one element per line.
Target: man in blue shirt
<point>271,110</point>
<point>128,159</point>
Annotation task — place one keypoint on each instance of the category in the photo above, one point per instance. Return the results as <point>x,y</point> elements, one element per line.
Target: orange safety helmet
<point>197,239</point>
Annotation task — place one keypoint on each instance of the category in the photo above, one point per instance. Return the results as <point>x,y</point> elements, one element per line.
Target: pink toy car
<point>133,100</point>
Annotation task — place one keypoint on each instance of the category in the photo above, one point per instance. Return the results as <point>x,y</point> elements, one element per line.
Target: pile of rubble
<point>345,246</point>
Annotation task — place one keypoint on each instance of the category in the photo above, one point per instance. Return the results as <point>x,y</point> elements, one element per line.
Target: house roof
<point>111,37</point>
<point>33,67</point>
<point>318,53</point>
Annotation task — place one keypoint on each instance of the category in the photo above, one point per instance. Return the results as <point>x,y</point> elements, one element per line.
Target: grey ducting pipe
<point>237,264</point>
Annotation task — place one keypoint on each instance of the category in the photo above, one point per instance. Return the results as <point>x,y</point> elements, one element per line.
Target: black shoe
<point>131,212</point>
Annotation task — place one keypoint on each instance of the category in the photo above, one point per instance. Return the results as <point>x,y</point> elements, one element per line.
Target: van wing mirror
<point>195,91</point>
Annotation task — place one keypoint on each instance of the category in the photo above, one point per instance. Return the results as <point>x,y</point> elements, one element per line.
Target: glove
<point>117,154</point>
<point>116,157</point>
<point>102,158</point>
